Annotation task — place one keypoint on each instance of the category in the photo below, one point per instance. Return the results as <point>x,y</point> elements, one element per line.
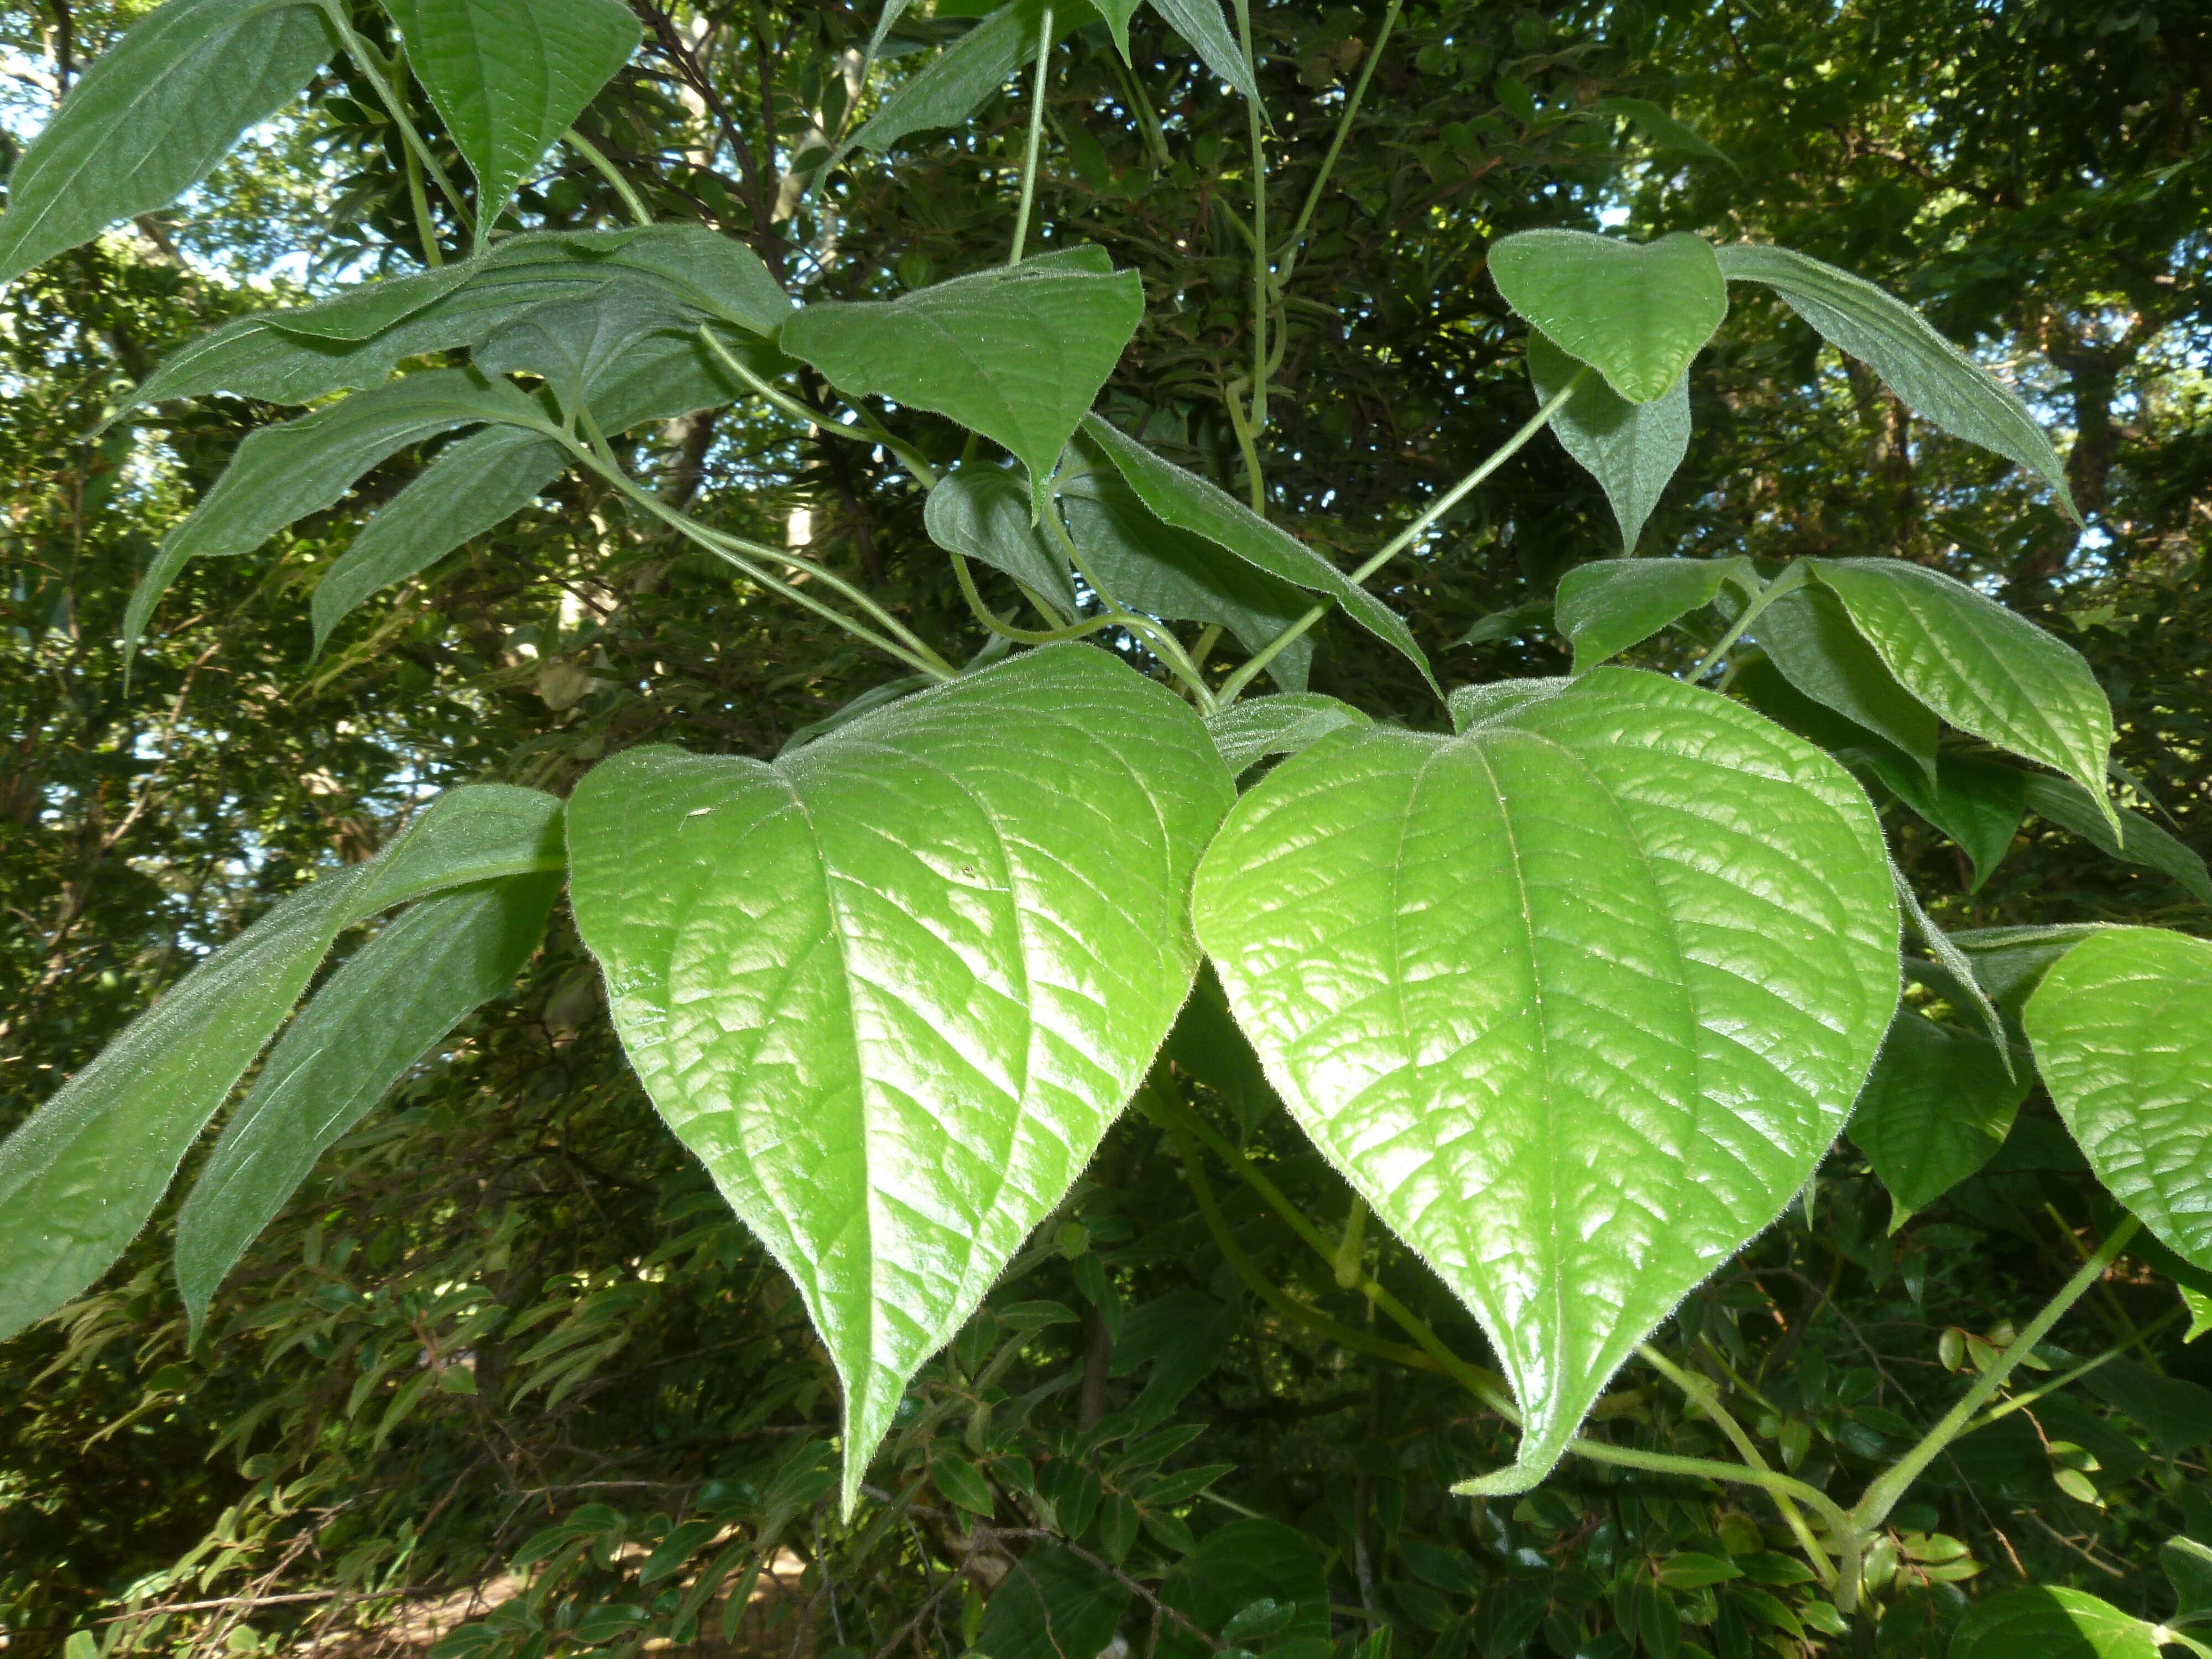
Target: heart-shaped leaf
<point>510,75</point>
<point>1936,1109</point>
<point>1986,670</point>
<point>1630,449</point>
<point>1577,999</point>
<point>893,988</point>
<point>1636,311</point>
<point>1016,355</point>
<point>2122,1025</point>
<point>1609,605</point>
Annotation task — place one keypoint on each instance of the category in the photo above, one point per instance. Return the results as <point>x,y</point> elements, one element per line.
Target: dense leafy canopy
<point>445,1338</point>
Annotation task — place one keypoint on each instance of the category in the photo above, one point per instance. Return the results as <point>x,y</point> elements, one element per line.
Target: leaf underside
<point>893,989</point>
<point>1509,982</point>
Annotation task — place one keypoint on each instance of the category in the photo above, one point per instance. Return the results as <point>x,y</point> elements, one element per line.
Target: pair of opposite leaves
<point>1575,998</point>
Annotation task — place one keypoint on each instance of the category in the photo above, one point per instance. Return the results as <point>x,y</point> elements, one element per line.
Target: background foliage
<point>508,1376</point>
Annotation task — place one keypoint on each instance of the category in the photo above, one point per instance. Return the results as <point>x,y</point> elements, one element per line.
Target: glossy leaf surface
<point>79,1178</point>
<point>1162,571</point>
<point>1807,635</point>
<point>2122,1025</point>
<point>1609,605</point>
<point>1635,311</point>
<point>282,473</point>
<point>1502,981</point>
<point>1630,449</point>
<point>152,115</point>
<point>474,485</point>
<point>1936,1109</point>
<point>983,513</point>
<point>1936,380</point>
<point>509,77</point>
<point>1187,501</point>
<point>1985,669</point>
<point>2050,1623</point>
<point>396,996</point>
<point>892,988</point>
<point>1016,355</point>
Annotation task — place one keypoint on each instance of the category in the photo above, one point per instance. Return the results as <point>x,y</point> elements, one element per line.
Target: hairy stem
<point>1787,582</point>
<point>1035,139</point>
<point>592,153</point>
<point>382,73</point>
<point>869,432</point>
<point>1889,1487</point>
<point>1289,251</point>
<point>1233,687</point>
<point>1262,294</point>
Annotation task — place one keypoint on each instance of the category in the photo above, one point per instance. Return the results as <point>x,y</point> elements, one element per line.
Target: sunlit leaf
<point>2050,1623</point>
<point>1988,671</point>
<point>1809,636</point>
<point>2122,1025</point>
<point>1249,732</point>
<point>1502,979</point>
<point>893,988</point>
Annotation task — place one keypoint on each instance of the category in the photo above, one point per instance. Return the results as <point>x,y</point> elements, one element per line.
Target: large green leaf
<point>475,484</point>
<point>1807,635</point>
<point>1161,571</point>
<point>2122,1025</point>
<point>1609,605</point>
<point>2046,1623</point>
<point>1576,998</point>
<point>893,988</point>
<point>1937,381</point>
<point>1636,311</point>
<point>1016,355</point>
<point>1630,449</point>
<point>152,115</point>
<point>394,998</point>
<point>1986,670</point>
<point>1187,501</point>
<point>984,512</point>
<point>2139,841</point>
<point>509,77</point>
<point>1936,1109</point>
<point>79,1178</point>
<point>357,339</point>
<point>281,473</point>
